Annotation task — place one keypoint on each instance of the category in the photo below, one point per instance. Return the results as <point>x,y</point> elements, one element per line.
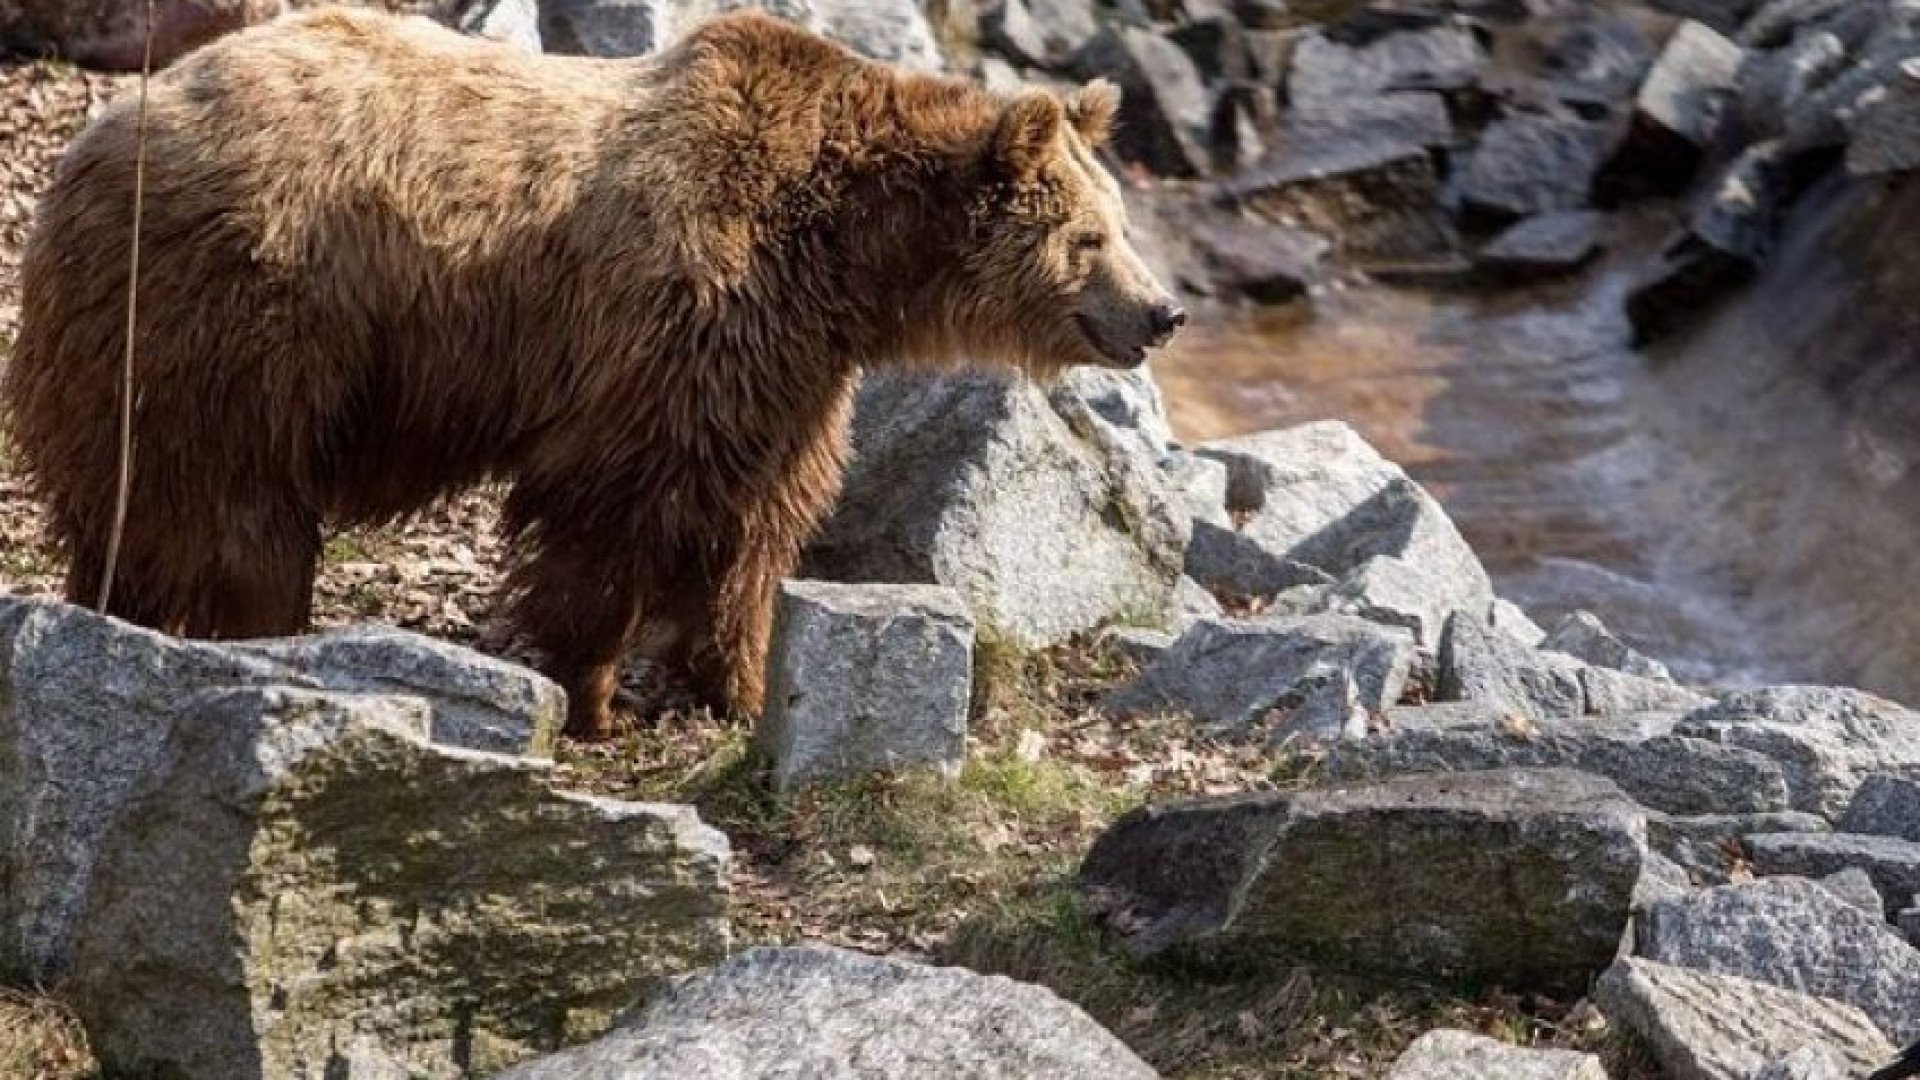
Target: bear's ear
<point>1026,131</point>
<point>1092,108</point>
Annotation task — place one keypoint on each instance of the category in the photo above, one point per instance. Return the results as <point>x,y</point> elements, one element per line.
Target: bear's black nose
<point>1166,319</point>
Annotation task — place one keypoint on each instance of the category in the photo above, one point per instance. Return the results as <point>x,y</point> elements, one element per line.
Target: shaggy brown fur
<point>385,261</point>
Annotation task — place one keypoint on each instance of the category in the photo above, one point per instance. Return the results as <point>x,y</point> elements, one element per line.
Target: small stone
<point>1676,114</point>
<point>1712,846</point>
<point>866,678</point>
<point>1582,635</point>
<point>1740,214</point>
<point>1478,665</point>
<point>1908,920</point>
<point>1455,1055</point>
<point>1892,865</point>
<point>1548,243</point>
<point>1856,888</point>
<point>1265,263</point>
<point>1042,33</point>
<point>1376,196</point>
<point>1685,92</point>
<point>1164,104</point>
<point>1317,495</point>
<point>1404,118</point>
<point>1317,675</point>
<point>1703,1026</point>
<point>1441,58</point>
<point>860,856</point>
<point>1884,805</point>
<point>1529,164</point>
<point>1673,775</point>
<point>1773,84</point>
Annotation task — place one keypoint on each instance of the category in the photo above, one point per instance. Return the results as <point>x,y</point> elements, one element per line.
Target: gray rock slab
<point>1386,878</point>
<point>1666,773</point>
<point>1477,664</point>
<point>814,1013</point>
<point>1319,675</point>
<point>1455,1055</point>
<point>1552,242</point>
<point>88,704</point>
<point>1704,1026</point>
<point>1884,805</point>
<point>1046,521</point>
<point>1712,846</point>
<point>866,678</point>
<point>1529,163</point>
<point>1582,635</point>
<point>1318,495</point>
<point>1892,865</point>
<point>1791,933</point>
<point>1827,740</point>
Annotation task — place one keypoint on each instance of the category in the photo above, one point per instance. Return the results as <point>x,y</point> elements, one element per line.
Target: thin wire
<point>123,494</point>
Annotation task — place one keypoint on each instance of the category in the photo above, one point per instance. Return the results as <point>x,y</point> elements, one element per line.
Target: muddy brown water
<point>1742,501</point>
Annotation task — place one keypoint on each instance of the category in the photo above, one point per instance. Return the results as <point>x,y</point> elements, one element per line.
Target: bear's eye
<point>1089,241</point>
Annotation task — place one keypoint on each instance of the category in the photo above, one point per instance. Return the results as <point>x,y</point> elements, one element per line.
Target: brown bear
<point>383,261</point>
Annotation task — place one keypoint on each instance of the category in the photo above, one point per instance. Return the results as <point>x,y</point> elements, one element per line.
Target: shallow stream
<point>1741,501</point>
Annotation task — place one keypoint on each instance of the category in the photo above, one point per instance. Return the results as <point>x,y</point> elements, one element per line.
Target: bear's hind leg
<point>240,573</point>
<point>259,582</point>
<point>579,607</point>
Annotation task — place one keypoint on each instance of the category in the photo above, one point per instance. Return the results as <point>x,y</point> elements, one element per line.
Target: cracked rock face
<point>89,704</point>
<point>299,872</point>
<point>257,860</point>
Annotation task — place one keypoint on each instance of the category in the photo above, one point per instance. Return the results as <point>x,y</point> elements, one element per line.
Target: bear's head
<point>1051,269</point>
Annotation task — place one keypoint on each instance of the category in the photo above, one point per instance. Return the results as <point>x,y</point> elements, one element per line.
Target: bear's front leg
<point>579,606</point>
<point>723,610</point>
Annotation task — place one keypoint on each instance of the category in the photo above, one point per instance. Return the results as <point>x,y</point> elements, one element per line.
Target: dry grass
<point>978,873</point>
<point>41,1040</point>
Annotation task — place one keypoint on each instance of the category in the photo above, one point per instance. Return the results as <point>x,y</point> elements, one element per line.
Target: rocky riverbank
<point>1227,754</point>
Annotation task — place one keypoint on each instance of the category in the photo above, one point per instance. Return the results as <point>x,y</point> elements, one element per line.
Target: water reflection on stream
<point>1715,506</point>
